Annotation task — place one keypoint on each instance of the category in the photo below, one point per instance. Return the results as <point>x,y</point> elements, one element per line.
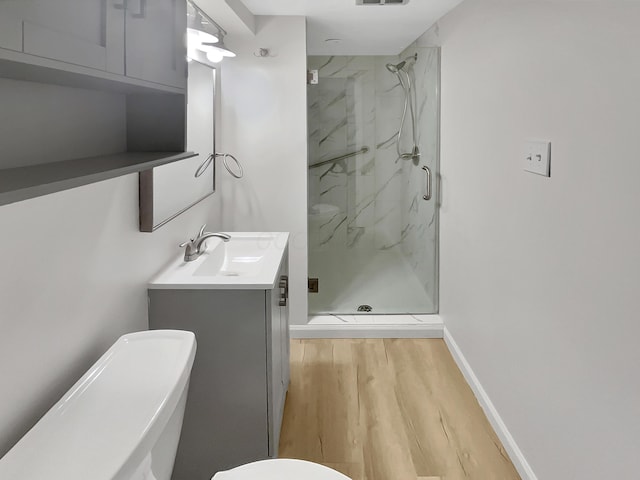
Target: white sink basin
<point>248,260</point>
<point>240,256</point>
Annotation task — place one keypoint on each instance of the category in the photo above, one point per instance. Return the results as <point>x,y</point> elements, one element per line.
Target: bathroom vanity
<point>234,297</point>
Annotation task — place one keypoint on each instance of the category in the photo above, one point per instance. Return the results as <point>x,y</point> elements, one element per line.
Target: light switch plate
<point>536,157</point>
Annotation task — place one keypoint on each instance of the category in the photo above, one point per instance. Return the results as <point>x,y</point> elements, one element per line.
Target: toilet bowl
<point>281,469</point>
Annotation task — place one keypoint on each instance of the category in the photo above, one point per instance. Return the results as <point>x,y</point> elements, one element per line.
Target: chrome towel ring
<point>204,165</point>
<point>225,156</point>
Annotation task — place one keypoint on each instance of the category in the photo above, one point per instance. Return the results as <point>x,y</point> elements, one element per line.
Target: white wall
<point>540,277</point>
<point>73,279</point>
<point>263,121</point>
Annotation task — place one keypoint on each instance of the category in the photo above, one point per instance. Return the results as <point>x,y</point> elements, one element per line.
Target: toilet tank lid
<point>107,423</point>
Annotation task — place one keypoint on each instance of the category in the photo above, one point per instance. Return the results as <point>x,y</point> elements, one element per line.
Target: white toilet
<point>280,469</point>
<point>122,421</point>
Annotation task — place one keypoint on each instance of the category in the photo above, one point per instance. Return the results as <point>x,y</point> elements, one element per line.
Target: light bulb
<point>214,56</point>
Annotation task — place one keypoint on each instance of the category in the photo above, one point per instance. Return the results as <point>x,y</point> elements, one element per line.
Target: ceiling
<point>362,30</point>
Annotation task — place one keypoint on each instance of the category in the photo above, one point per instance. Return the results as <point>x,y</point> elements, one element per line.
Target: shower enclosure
<point>373,161</point>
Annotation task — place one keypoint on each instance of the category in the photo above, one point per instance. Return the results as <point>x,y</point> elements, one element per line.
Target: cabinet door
<point>10,29</point>
<point>155,32</point>
<point>89,33</point>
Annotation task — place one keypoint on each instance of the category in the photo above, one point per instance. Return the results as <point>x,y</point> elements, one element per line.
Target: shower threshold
<point>370,326</point>
<point>372,319</point>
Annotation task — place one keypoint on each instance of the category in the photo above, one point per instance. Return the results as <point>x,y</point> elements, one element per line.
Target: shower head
<point>398,67</point>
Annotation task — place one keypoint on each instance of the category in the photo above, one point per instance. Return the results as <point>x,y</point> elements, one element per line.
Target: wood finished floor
<point>388,409</point>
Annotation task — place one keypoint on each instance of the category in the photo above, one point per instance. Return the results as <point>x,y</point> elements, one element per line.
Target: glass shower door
<point>372,233</point>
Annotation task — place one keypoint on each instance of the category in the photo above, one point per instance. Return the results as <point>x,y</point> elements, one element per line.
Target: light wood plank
<point>381,409</point>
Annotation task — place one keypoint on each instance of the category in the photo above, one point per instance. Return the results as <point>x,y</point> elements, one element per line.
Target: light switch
<point>537,157</point>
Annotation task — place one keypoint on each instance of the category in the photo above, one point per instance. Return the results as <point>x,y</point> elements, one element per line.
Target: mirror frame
<point>146,178</point>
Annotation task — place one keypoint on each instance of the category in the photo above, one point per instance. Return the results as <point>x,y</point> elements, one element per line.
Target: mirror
<point>169,190</point>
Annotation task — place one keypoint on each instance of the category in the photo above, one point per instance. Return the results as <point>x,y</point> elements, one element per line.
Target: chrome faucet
<point>193,248</point>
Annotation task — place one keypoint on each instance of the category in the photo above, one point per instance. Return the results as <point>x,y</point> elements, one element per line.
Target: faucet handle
<point>201,232</point>
<point>182,245</point>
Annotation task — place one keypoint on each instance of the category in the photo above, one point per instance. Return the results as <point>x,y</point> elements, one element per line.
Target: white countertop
<point>252,262</point>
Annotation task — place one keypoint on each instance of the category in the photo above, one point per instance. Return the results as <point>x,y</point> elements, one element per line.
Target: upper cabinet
<point>151,57</point>
<point>141,39</point>
<point>87,33</point>
<point>134,49</point>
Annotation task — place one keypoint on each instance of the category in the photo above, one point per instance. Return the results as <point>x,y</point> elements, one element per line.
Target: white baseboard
<point>367,331</point>
<point>515,454</point>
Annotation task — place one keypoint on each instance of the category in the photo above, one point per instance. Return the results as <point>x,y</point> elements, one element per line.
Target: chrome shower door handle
<point>427,196</point>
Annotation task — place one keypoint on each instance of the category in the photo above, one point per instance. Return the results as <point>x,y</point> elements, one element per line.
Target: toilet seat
<point>280,469</point>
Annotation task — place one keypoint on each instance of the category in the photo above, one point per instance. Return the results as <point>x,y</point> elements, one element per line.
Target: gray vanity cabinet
<point>240,375</point>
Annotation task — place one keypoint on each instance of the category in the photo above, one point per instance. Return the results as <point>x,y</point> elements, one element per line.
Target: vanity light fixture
<point>201,36</point>
<point>198,38</point>
<point>199,28</point>
<point>221,49</point>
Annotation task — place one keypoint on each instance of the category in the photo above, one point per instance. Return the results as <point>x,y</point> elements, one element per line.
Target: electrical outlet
<point>537,157</point>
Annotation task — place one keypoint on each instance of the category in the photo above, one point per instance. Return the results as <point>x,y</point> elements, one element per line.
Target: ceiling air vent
<point>382,2</point>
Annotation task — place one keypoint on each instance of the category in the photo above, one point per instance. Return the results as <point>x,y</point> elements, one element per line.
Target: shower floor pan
<point>383,280</point>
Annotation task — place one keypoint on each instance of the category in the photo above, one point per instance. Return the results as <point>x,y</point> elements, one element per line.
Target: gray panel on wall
<point>156,122</point>
<point>48,123</point>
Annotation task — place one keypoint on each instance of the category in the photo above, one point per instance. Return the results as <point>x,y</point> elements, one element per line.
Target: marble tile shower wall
<point>357,103</point>
<point>327,110</point>
<point>419,217</point>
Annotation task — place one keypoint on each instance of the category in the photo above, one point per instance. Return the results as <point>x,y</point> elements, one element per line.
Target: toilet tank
<point>120,421</point>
